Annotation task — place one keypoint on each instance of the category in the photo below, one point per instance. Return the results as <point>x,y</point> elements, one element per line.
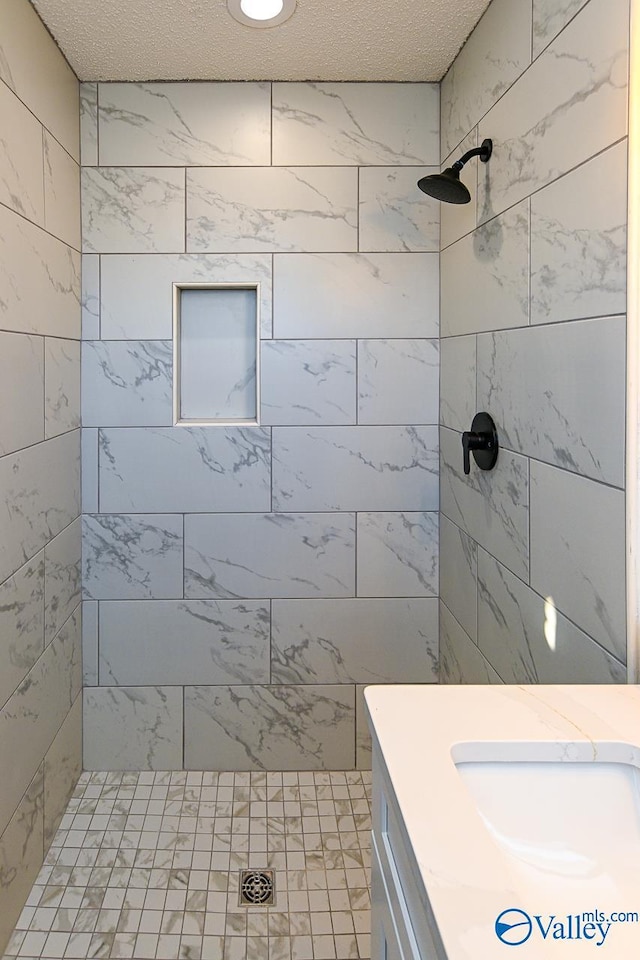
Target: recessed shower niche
<point>216,356</point>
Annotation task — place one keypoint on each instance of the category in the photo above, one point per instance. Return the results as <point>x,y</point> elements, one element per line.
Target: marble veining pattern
<point>21,624</point>
<point>62,386</point>
<point>398,381</point>
<point>21,180</point>
<point>62,576</point>
<point>21,847</point>
<point>127,383</point>
<point>90,296</point>
<point>460,659</point>
<point>308,382</point>
<point>458,382</point>
<point>393,214</point>
<point>61,182</point>
<point>133,728</point>
<point>397,554</point>
<point>458,575</point>
<point>549,18</point>
<point>21,388</point>
<point>62,767</point>
<point>89,124</point>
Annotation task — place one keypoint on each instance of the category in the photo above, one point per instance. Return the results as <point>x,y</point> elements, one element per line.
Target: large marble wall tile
<point>133,210</point>
<point>21,186</point>
<point>458,219</point>
<point>40,490</point>
<point>458,575</point>
<point>270,728</point>
<point>89,124</point>
<point>132,557</point>
<point>494,56</point>
<point>146,642</point>
<point>355,468</point>
<point>21,391</point>
<point>577,552</point>
<point>62,573</point>
<point>460,659</point>
<point>271,208</point>
<point>195,469</point>
<point>39,280</point>
<point>62,767</point>
<point>570,105</point>
<point>573,418</point>
<point>127,383</point>
<point>31,718</point>
<point>347,641</point>
<point>397,555</point>
<point>61,193</point>
<point>485,276</point>
<point>62,386</point>
<point>21,624</point>
<point>21,851</point>
<point>528,642</point>
<point>89,445</point>
<point>373,295</point>
<point>458,382</point>
<point>137,291</point>
<point>90,642</point>
<point>269,555</point>
<point>133,728</point>
<point>492,507</point>
<point>90,296</point>
<point>393,214</point>
<point>549,18</point>
<point>361,123</point>
<point>398,381</point>
<point>308,382</point>
<point>185,124</point>
<point>363,734</point>
<point>579,241</point>
<point>34,68</point>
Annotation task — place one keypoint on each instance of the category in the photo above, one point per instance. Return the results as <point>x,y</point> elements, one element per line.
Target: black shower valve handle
<point>482,441</point>
<point>473,441</point>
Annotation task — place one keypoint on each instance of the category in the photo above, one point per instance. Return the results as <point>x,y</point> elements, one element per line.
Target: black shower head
<point>447,186</point>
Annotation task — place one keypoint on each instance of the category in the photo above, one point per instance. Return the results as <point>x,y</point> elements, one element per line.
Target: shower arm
<point>483,151</point>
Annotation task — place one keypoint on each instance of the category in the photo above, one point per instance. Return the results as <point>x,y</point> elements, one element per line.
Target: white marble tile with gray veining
<point>132,557</point>
<point>460,659</point>
<point>21,391</point>
<point>347,641</point>
<point>21,182</point>
<point>359,123</point>
<point>358,295</point>
<point>39,280</point>
<point>397,555</point>
<point>137,291</point>
<point>133,728</point>
<point>393,214</point>
<point>485,276</point>
<point>195,469</point>
<point>492,507</point>
<point>33,715</point>
<point>90,296</point>
<point>133,210</point>
<point>270,728</point>
<point>40,496</point>
<point>494,56</point>
<point>355,468</point>
<point>241,210</point>
<point>576,422</point>
<point>579,241</point>
<point>90,642</point>
<point>458,382</point>
<point>458,219</point>
<point>269,555</point>
<point>62,767</point>
<point>62,574</point>
<point>145,642</point>
<point>578,554</point>
<point>61,193</point>
<point>458,575</point>
<point>89,464</point>
<point>89,124</point>
<point>127,383</point>
<point>185,124</point>
<point>21,624</point>
<point>398,381</point>
<point>549,18</point>
<point>363,734</point>
<point>21,847</point>
<point>62,386</point>
<point>308,382</point>
<point>528,640</point>
<point>569,105</point>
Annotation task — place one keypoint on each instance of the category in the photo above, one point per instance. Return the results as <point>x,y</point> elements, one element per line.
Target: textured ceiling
<point>198,39</point>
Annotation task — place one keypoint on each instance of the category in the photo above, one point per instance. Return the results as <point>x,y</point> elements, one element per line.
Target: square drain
<point>257,888</point>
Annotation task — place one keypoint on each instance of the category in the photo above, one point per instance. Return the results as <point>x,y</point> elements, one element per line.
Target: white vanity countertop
<point>422,731</point>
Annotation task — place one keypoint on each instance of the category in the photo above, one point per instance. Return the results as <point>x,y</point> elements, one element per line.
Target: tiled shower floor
<point>146,865</point>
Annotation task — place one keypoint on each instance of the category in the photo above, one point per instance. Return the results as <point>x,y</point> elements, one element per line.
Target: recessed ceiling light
<point>261,13</point>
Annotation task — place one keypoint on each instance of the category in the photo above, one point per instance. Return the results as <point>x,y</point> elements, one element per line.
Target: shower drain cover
<point>257,888</point>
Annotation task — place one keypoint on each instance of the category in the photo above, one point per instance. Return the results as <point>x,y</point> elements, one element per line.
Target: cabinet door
<point>385,942</point>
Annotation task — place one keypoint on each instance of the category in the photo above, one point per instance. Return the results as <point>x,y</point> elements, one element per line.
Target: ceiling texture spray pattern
<point>392,40</point>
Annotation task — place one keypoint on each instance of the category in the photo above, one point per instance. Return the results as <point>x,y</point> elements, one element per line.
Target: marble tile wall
<point>534,329</point>
<point>40,532</point>
<point>243,584</point>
